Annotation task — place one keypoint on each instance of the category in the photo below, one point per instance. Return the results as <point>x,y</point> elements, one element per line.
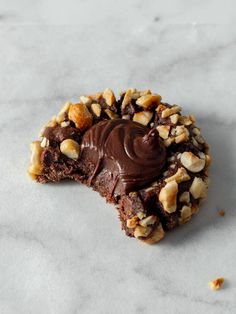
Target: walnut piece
<point>156,235</point>
<point>132,222</point>
<point>147,101</point>
<point>192,162</point>
<point>163,131</point>
<point>198,188</point>
<point>61,115</point>
<point>168,196</point>
<point>70,148</point>
<point>109,96</point>
<point>96,108</point>
<point>180,176</point>
<point>150,220</point>
<point>169,111</point>
<point>186,213</point>
<point>35,167</point>
<point>112,115</point>
<point>142,232</point>
<point>184,197</point>
<point>143,117</point>
<point>80,115</point>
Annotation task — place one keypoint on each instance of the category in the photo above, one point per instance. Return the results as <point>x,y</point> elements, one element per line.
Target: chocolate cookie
<point>139,153</point>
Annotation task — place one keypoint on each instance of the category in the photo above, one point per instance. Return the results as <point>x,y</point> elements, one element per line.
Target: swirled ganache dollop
<point>133,154</point>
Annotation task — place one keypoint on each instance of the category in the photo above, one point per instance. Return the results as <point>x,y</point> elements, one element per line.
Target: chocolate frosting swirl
<point>132,153</point>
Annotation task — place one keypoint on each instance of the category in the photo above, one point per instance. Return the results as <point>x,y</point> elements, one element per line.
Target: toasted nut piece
<point>160,108</point>
<point>147,101</point>
<point>35,167</point>
<point>163,131</point>
<point>195,143</point>
<point>128,97</point>
<point>186,120</point>
<point>195,209</point>
<point>132,222</point>
<point>181,138</point>
<point>143,117</point>
<point>150,220</point>
<point>70,148</point>
<point>141,215</point>
<point>85,100</point>
<point>44,142</point>
<point>80,115</point>
<point>62,113</point>
<point>156,235</point>
<point>181,129</point>
<point>185,214</point>
<point>142,232</point>
<point>174,118</point>
<point>168,195</point>
<point>184,197</point>
<point>109,96</point>
<point>217,283</point>
<point>96,96</point>
<point>180,176</point>
<point>192,162</point>
<point>169,111</point>
<point>111,114</point>
<point>169,141</point>
<point>145,92</point>
<point>200,139</point>
<point>196,131</point>
<point>96,109</point>
<point>65,124</point>
<point>198,188</point>
<point>126,117</point>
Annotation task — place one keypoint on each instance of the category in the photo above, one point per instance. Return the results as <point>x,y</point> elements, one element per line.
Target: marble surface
<point>61,248</point>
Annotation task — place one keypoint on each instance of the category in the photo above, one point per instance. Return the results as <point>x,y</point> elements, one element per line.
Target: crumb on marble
<point>216,283</point>
<point>221,212</point>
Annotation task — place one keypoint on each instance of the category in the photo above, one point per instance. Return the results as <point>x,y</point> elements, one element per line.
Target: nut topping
<point>96,108</point>
<point>198,188</point>
<point>62,114</point>
<point>180,176</point>
<point>150,220</point>
<point>35,167</point>
<point>156,235</point>
<point>174,118</point>
<point>185,214</point>
<point>163,131</point>
<point>80,115</point>
<point>142,232</point>
<point>168,196</point>
<point>85,100</point>
<point>111,114</point>
<point>109,96</point>
<point>70,148</point>
<point>184,197</point>
<point>147,101</point>
<point>169,111</point>
<point>192,162</point>
<point>44,142</point>
<point>143,117</point>
<point>132,222</point>
<point>217,283</point>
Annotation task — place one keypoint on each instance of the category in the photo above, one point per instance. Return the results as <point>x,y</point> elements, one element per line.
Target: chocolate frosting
<point>133,154</point>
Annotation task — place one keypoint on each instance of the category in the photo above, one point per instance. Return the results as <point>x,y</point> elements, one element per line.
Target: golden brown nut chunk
<point>80,115</point>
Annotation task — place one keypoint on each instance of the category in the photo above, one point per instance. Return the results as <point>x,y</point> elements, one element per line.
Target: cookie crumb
<point>221,212</point>
<point>217,283</point>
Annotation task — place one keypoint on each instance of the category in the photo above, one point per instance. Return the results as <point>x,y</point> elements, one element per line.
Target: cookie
<point>139,153</point>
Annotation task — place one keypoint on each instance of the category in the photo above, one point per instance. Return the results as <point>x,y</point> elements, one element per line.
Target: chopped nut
<point>195,143</point>
<point>80,115</point>
<point>109,96</point>
<point>185,214</point>
<point>85,100</point>
<point>156,235</point>
<point>65,124</point>
<point>184,197</point>
<point>62,114</point>
<point>126,117</point>
<point>198,188</point>
<point>163,131</point>
<point>195,209</point>
<point>132,222</point>
<point>196,131</point>
<point>150,220</point>
<point>180,176</point>
<point>147,101</point>
<point>44,142</point>
<point>128,97</point>
<point>142,232</point>
<point>181,138</point>
<point>70,148</point>
<point>174,118</point>
<point>186,120</point>
<point>181,129</point>
<point>169,111</point>
<point>141,215</point>
<point>160,108</point>
<point>143,117</point>
<point>96,97</point>
<point>111,114</point>
<point>35,167</point>
<point>145,92</point>
<point>200,139</point>
<point>221,212</point>
<point>168,195</point>
<point>96,108</point>
<point>192,162</point>
<point>169,141</point>
<point>217,283</point>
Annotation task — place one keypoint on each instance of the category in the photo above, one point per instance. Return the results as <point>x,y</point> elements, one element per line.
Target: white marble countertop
<point>61,248</point>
